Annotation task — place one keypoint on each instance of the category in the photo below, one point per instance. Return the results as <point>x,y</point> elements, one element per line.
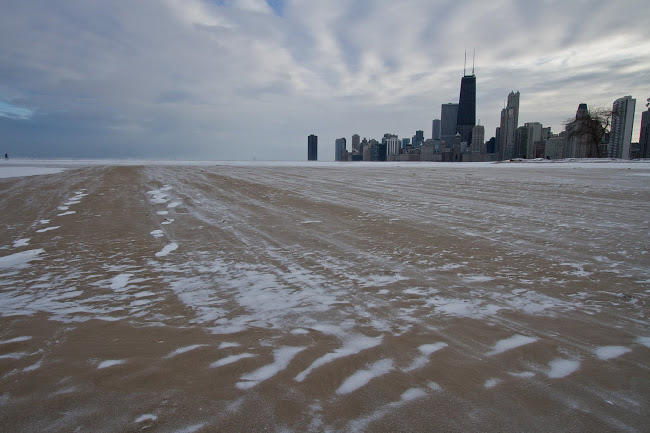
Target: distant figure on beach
<point>6,156</point>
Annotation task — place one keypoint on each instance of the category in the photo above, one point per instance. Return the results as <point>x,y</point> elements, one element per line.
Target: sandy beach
<point>326,297</point>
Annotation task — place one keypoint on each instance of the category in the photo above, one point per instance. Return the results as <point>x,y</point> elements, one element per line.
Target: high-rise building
<point>339,148</point>
<point>405,142</point>
<point>448,119</point>
<point>580,135</point>
<point>478,139</point>
<point>418,138</point>
<point>312,148</point>
<point>644,136</point>
<point>356,143</point>
<point>509,122</point>
<point>534,136</point>
<point>620,134</point>
<point>393,145</point>
<point>466,118</point>
<point>435,129</point>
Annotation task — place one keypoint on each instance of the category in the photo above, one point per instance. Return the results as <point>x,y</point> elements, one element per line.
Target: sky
<point>251,79</point>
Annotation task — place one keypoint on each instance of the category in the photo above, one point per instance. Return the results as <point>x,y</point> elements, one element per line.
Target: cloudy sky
<point>244,79</point>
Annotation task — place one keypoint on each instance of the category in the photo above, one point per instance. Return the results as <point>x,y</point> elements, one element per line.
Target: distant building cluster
<point>456,136</point>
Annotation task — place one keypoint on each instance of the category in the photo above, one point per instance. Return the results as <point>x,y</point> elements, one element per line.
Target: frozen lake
<point>324,297</point>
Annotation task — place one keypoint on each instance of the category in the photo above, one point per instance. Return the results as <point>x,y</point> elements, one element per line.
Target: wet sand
<point>316,298</point>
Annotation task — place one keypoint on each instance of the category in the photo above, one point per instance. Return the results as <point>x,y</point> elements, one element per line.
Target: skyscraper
<point>534,136</point>
<point>644,136</point>
<point>466,119</point>
<point>435,129</point>
<point>418,138</point>
<point>509,122</point>
<point>339,148</point>
<point>448,119</point>
<point>356,143</point>
<point>620,134</point>
<point>478,139</point>
<point>312,148</point>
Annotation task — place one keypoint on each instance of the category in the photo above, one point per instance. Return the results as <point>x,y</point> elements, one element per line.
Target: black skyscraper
<point>312,148</point>
<point>467,107</point>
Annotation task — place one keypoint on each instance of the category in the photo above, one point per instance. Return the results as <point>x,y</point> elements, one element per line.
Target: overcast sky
<point>244,79</point>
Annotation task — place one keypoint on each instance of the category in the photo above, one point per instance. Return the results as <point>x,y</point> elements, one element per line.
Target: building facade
<point>644,136</point>
<point>448,119</point>
<point>466,118</point>
<point>435,129</point>
<point>508,128</point>
<point>478,139</point>
<point>620,134</point>
<point>339,147</point>
<point>312,148</point>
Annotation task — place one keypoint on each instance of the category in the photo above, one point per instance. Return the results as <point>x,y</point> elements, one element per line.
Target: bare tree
<point>588,129</point>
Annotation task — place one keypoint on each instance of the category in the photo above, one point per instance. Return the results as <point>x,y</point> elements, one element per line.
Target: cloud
<point>229,79</point>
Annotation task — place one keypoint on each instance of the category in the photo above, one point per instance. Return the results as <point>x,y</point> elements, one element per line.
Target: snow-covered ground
<point>325,296</point>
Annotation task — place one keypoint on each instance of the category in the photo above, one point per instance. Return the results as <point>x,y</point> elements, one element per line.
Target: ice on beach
<point>20,260</point>
<point>14,355</point>
<point>111,363</point>
<point>167,249</point>
<point>611,352</point>
<point>227,344</point>
<point>7,172</point>
<point>644,341</point>
<point>16,339</point>
<point>230,359</point>
<point>350,347</point>
<point>413,394</point>
<point>511,343</point>
<point>167,221</point>
<point>560,368</point>
<point>362,377</point>
<point>70,212</point>
<point>426,350</point>
<point>145,417</point>
<point>282,357</point>
<point>183,350</point>
<point>162,212</point>
<point>47,229</point>
<point>157,233</point>
<point>119,282</point>
<point>21,243</point>
<point>33,367</point>
<point>491,383</point>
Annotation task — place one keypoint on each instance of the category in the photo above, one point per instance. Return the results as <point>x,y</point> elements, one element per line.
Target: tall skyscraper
<point>644,136</point>
<point>466,119</point>
<point>509,123</point>
<point>418,138</point>
<point>620,134</point>
<point>312,148</point>
<point>478,139</point>
<point>435,129</point>
<point>339,148</point>
<point>448,119</point>
<point>534,136</point>
<point>356,143</point>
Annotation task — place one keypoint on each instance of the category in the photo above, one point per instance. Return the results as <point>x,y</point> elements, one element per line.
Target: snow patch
<point>511,343</point>
<point>157,233</point>
<point>491,383</point>
<point>21,243</point>
<point>167,249</point>
<point>183,350</point>
<point>145,417</point>
<point>20,260</point>
<point>351,347</point>
<point>110,363</point>
<point>362,377</point>
<point>47,229</point>
<point>230,359</point>
<point>119,282</point>
<point>562,367</point>
<point>611,352</point>
<point>16,339</point>
<point>282,358</point>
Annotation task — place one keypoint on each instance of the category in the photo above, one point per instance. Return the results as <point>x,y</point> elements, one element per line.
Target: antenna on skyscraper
<point>465,64</point>
<point>473,56</point>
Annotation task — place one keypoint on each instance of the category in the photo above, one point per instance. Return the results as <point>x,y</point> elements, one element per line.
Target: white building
<point>478,139</point>
<point>393,145</point>
<point>620,136</point>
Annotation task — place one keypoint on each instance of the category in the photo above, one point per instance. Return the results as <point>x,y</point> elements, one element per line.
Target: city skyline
<point>235,79</point>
